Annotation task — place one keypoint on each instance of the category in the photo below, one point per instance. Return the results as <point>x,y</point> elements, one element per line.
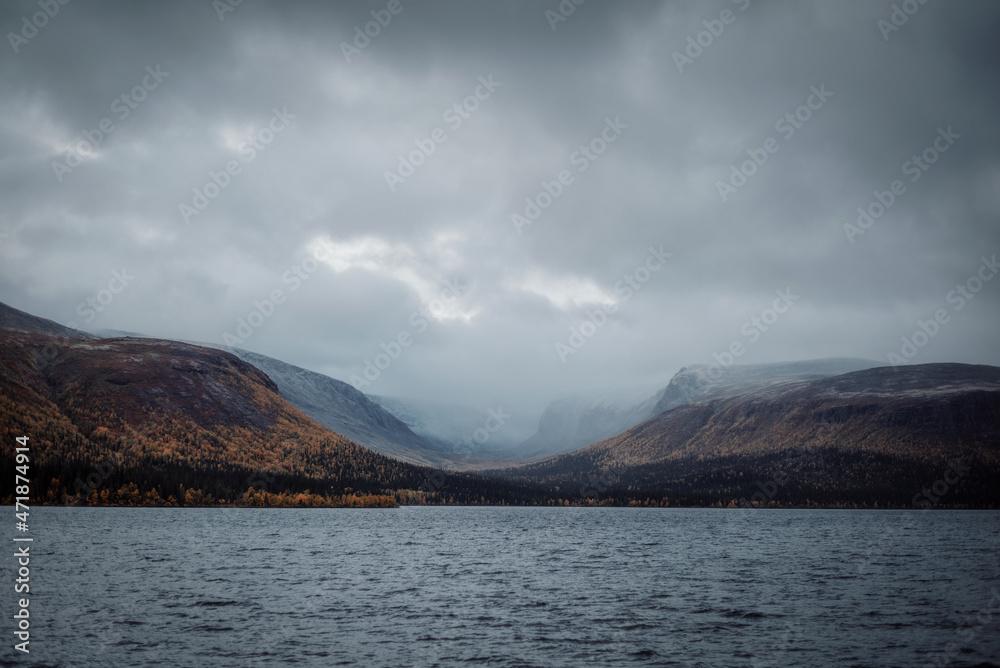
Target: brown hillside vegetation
<point>924,413</point>
<point>141,421</point>
<point>877,436</point>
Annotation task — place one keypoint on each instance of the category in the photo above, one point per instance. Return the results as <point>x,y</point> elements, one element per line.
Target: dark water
<point>511,587</point>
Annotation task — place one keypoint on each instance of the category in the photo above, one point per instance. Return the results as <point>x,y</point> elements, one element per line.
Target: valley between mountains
<point>129,420</point>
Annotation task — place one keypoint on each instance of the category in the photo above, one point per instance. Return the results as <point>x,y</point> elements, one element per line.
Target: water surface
<point>510,587</point>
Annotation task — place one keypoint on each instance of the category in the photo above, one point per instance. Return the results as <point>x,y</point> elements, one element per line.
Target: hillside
<point>337,406</point>
<point>145,421</point>
<point>877,436</point>
<point>573,422</point>
<point>142,420</point>
<point>13,319</point>
<point>699,380</point>
<point>346,410</point>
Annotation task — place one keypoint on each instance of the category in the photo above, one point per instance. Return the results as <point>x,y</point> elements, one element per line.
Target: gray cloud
<point>323,178</point>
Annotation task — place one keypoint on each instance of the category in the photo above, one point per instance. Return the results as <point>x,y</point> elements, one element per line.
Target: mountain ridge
<point>140,421</point>
<point>577,421</point>
<point>338,406</point>
<point>867,438</point>
<point>697,380</point>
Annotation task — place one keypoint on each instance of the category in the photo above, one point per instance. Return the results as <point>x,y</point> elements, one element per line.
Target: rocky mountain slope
<point>573,422</point>
<point>13,319</point>
<point>347,411</point>
<point>338,406</point>
<point>879,436</point>
<point>146,421</point>
<point>698,380</point>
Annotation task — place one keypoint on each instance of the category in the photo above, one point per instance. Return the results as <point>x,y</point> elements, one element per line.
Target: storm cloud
<point>498,203</point>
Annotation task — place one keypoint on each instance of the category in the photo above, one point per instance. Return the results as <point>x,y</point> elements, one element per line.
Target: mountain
<point>338,406</point>
<point>573,422</point>
<point>142,421</point>
<point>13,319</point>
<point>146,421</point>
<point>925,435</point>
<point>346,410</point>
<point>698,380</point>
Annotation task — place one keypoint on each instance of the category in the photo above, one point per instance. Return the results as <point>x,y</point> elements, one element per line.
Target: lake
<point>511,587</point>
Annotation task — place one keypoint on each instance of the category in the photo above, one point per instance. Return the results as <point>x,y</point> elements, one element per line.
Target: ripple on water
<point>512,587</point>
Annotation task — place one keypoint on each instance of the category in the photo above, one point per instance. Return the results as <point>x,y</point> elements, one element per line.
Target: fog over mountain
<point>866,437</point>
<point>694,382</point>
<point>465,430</point>
<point>496,204</point>
<point>576,421</point>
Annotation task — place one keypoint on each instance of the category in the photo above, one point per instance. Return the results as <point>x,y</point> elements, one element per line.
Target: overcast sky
<point>309,116</point>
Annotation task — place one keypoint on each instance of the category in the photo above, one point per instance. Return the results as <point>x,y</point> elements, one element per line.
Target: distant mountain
<point>340,407</point>
<point>464,430</point>
<point>573,422</point>
<point>698,380</point>
<point>924,435</point>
